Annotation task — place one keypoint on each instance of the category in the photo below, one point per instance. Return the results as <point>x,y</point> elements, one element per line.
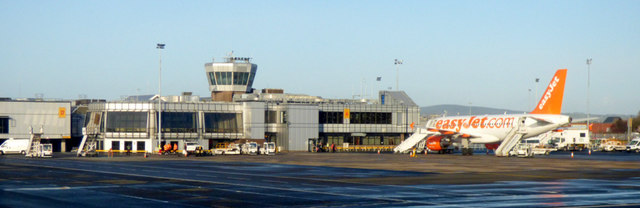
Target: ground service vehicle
<point>14,146</point>
<point>634,145</point>
<point>522,150</point>
<point>231,149</point>
<point>194,148</point>
<point>610,145</point>
<point>250,148</point>
<point>46,150</point>
<point>268,148</point>
<point>571,139</point>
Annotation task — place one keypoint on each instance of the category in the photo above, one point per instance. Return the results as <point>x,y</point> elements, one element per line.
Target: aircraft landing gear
<point>465,147</point>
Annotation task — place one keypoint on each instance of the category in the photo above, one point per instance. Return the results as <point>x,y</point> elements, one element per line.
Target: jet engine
<point>439,143</point>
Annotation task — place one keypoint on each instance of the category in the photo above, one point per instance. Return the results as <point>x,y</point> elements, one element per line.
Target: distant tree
<point>636,123</point>
<point>619,126</point>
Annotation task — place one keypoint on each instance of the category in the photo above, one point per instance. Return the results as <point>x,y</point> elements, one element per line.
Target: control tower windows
<point>126,121</point>
<point>212,78</point>
<point>240,78</point>
<point>224,78</point>
<point>228,78</point>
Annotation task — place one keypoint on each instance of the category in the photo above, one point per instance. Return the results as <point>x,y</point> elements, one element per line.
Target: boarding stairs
<point>543,139</point>
<point>89,143</point>
<point>33,149</point>
<point>512,139</point>
<point>410,142</point>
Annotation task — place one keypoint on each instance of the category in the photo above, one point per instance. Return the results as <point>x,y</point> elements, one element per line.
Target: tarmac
<point>322,180</point>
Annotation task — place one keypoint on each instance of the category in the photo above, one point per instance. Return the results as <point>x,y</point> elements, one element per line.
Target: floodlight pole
<point>397,63</point>
<point>160,46</point>
<point>588,86</point>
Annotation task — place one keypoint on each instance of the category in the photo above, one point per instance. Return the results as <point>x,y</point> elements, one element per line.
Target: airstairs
<point>89,143</point>
<point>512,139</point>
<point>33,149</point>
<point>544,138</point>
<point>410,142</point>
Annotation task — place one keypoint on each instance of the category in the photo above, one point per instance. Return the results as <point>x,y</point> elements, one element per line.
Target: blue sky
<point>487,53</point>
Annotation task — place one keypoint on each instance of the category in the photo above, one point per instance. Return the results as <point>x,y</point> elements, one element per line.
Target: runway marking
<point>142,198</point>
<point>57,188</point>
<point>236,184</point>
<point>272,181</point>
<point>362,189</point>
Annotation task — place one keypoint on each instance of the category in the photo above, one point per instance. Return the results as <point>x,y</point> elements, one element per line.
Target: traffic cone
<point>589,151</point>
<point>378,151</point>
<point>571,154</point>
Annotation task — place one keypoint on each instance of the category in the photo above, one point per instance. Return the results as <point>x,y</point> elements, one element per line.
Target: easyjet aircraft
<point>493,129</point>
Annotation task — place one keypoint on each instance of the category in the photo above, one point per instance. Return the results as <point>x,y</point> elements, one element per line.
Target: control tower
<point>233,76</point>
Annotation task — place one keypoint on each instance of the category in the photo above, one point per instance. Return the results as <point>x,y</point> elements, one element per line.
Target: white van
<point>634,145</point>
<point>14,146</point>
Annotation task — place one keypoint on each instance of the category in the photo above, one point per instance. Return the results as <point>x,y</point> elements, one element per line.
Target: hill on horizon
<point>462,110</point>
<point>454,110</point>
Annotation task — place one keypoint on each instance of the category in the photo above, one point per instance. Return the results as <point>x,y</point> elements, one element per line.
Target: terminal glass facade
<point>331,117</point>
<point>126,121</point>
<point>179,122</point>
<point>370,118</point>
<point>223,122</point>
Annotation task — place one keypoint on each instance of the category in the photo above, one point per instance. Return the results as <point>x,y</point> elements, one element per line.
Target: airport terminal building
<point>238,113</point>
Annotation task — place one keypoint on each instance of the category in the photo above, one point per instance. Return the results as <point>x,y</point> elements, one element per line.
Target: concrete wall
<point>303,124</point>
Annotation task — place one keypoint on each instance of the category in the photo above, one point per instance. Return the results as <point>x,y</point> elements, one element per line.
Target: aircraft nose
<point>570,119</point>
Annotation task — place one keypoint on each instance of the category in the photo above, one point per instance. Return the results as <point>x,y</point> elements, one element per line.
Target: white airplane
<point>504,130</point>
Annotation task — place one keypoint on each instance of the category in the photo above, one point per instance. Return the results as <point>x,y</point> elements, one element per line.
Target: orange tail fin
<point>551,101</point>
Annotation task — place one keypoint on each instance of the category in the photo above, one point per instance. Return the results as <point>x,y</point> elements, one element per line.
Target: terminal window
<point>140,145</point>
<point>370,118</point>
<point>126,121</point>
<point>177,122</point>
<point>223,122</point>
<point>115,145</point>
<point>330,117</point>
<point>4,125</point>
<point>270,116</point>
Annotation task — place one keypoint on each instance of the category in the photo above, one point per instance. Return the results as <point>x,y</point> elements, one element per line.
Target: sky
<point>479,53</point>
